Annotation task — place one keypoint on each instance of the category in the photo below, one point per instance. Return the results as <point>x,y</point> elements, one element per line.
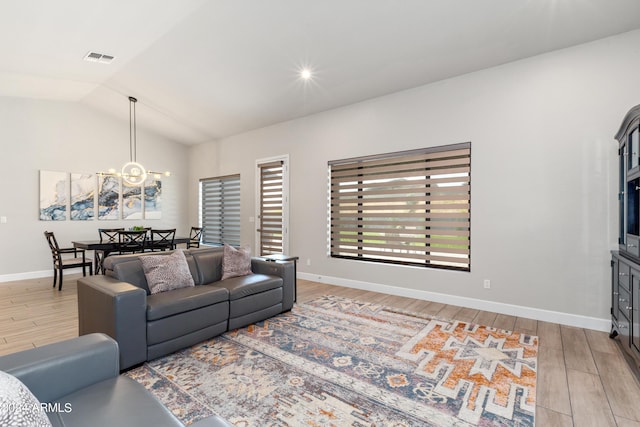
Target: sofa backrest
<point>129,270</point>
<point>205,265</point>
<point>209,265</point>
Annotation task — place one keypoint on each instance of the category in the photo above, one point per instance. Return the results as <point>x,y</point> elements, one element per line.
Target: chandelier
<point>133,173</point>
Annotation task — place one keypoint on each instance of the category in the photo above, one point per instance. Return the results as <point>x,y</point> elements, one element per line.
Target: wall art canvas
<point>53,195</point>
<point>153,198</point>
<point>108,197</point>
<point>83,192</point>
<point>131,201</point>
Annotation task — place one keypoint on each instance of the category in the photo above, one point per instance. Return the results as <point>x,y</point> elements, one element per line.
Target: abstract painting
<point>131,201</point>
<point>53,195</point>
<point>83,191</point>
<point>153,198</point>
<point>108,197</point>
<point>75,193</point>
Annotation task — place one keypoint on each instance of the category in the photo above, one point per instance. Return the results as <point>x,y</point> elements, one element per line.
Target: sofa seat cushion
<point>179,342</point>
<point>181,324</point>
<point>181,300</point>
<point>254,308</point>
<point>118,401</point>
<point>244,286</point>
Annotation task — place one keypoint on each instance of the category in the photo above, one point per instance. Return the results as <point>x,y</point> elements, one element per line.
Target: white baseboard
<point>493,306</point>
<point>34,275</point>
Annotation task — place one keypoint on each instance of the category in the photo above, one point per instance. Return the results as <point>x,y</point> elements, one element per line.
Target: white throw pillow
<point>18,406</point>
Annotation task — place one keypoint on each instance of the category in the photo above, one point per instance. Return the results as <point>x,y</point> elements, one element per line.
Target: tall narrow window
<point>220,210</point>
<point>411,207</point>
<point>271,203</point>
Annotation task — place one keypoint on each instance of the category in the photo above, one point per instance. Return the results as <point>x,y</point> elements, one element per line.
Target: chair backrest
<point>162,238</point>
<point>132,241</point>
<point>194,236</point>
<point>53,245</point>
<point>109,235</point>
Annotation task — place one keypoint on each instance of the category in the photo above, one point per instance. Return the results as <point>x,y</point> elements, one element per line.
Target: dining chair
<point>130,242</point>
<point>162,240</point>
<point>194,237</point>
<point>107,235</point>
<point>61,263</point>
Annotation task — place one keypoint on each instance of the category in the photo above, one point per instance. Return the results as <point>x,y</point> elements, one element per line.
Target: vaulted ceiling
<point>205,69</point>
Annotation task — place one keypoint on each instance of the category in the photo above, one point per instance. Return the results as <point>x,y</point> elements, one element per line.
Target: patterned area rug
<point>339,362</point>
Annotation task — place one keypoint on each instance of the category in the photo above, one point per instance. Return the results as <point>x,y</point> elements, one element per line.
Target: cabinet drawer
<point>624,302</point>
<point>634,320</point>
<point>622,326</point>
<point>615,284</point>
<point>624,275</point>
<point>633,245</point>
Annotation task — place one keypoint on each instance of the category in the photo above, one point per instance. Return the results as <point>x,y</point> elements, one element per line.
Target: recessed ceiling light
<point>305,74</point>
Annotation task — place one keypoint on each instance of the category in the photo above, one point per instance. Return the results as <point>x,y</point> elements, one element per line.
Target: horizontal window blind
<point>271,208</point>
<point>409,208</point>
<point>221,210</point>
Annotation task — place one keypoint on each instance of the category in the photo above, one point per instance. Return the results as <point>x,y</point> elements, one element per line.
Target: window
<point>411,207</point>
<point>271,205</point>
<point>220,210</point>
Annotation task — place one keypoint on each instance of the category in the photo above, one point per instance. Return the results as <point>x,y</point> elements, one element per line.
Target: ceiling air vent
<point>98,57</point>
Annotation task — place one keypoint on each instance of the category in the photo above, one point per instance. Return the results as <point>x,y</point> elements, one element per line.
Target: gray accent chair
<point>81,376</point>
<point>147,326</point>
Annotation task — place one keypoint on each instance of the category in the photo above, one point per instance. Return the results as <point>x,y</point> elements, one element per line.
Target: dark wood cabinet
<point>628,137</point>
<point>625,262</point>
<point>625,306</point>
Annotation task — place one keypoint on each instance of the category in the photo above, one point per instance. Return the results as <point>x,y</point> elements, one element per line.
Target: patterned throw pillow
<point>166,272</point>
<point>236,262</point>
<point>18,406</point>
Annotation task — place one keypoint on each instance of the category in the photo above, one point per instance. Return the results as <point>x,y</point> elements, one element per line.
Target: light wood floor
<point>583,379</point>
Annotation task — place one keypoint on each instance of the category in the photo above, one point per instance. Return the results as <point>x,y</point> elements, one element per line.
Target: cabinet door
<point>633,149</point>
<point>634,305</point>
<point>614,287</point>
<point>622,189</point>
<point>633,211</point>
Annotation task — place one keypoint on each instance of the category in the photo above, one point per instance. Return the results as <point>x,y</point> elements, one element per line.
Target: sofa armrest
<point>118,309</point>
<point>56,370</point>
<point>284,269</point>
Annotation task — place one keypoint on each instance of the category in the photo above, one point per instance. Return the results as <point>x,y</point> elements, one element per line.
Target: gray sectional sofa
<point>78,383</point>
<point>147,326</point>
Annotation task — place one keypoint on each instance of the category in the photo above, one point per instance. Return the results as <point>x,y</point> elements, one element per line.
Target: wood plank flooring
<point>583,380</point>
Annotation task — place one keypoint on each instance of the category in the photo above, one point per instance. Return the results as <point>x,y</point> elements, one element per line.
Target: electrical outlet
<point>487,284</point>
<point>3,219</point>
<point>308,261</point>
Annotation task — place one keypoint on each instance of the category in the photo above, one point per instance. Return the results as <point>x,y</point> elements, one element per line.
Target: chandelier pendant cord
<point>133,148</point>
<point>133,173</point>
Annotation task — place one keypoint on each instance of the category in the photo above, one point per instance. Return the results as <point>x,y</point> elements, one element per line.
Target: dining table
<point>109,247</point>
<point>97,245</point>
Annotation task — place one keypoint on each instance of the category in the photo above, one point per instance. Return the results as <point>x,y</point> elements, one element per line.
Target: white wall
<point>70,137</point>
<point>543,177</point>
